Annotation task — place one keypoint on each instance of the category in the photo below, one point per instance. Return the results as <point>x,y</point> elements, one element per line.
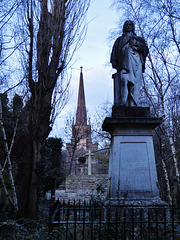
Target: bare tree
<point>52,31</point>
<point>102,137</point>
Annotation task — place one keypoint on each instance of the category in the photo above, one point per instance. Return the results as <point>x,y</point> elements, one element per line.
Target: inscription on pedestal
<point>134,167</point>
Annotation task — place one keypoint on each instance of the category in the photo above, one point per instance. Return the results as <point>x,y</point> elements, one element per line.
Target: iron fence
<point>96,221</point>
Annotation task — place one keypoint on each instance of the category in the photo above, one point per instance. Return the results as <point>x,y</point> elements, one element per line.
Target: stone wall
<point>83,187</point>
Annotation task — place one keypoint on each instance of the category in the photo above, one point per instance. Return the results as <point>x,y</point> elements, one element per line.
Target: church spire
<point>81,118</point>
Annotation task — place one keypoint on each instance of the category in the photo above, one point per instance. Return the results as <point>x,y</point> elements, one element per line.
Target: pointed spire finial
<point>81,118</point>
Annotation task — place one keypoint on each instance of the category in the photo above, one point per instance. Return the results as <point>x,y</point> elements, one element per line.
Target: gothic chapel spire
<point>81,141</point>
<point>81,118</point>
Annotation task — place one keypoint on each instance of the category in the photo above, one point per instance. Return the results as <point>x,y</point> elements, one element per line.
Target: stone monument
<point>132,167</point>
<point>128,57</point>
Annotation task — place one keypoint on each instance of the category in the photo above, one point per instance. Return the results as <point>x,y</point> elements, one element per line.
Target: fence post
<point>108,219</point>
<point>100,221</point>
<point>156,217</point>
<point>149,224</point>
<point>172,217</point>
<point>79,209</point>
<point>84,217</point>
<point>124,232</point>
<point>75,219</point>
<point>116,223</point>
<point>91,218</point>
<point>67,219</point>
<point>132,223</point>
<point>164,222</point>
<point>141,222</point>
<point>64,211</point>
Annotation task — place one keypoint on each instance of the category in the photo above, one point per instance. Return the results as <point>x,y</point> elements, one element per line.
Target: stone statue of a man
<point>128,57</point>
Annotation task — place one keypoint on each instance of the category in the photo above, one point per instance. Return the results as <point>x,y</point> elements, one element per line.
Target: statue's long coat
<point>119,58</point>
<point>128,57</point>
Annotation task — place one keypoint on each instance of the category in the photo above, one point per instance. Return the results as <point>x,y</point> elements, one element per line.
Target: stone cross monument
<point>89,155</point>
<point>132,167</point>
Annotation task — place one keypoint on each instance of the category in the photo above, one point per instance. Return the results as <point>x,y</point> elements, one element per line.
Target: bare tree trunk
<point>4,186</point>
<point>167,181</point>
<point>33,190</point>
<point>15,201</point>
<point>172,148</point>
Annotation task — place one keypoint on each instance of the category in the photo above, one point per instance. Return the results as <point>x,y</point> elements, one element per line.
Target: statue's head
<point>128,27</point>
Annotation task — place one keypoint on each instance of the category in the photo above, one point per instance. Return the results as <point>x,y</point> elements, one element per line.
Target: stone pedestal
<point>132,168</point>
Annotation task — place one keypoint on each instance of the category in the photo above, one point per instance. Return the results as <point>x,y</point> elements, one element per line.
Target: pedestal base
<point>132,168</point>
<point>154,202</point>
<point>134,211</point>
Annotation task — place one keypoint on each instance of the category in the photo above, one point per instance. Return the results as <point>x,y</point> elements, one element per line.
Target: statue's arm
<point>114,54</point>
<point>143,48</point>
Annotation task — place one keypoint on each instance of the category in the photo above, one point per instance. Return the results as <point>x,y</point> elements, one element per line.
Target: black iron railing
<point>96,221</point>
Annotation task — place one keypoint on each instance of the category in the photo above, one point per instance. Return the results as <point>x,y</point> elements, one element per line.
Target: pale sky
<point>94,57</point>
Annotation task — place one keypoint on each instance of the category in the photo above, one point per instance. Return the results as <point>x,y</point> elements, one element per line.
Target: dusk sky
<point>93,56</point>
